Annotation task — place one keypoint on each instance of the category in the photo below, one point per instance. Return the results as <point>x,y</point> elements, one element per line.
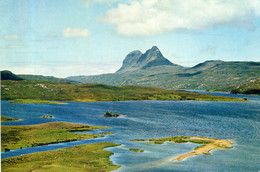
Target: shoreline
<point>205,149</point>
<point>207,144</point>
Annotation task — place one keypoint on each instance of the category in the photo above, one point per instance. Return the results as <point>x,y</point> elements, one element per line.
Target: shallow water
<point>237,121</point>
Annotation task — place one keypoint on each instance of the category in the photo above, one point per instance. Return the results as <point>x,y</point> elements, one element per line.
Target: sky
<point>87,37</point>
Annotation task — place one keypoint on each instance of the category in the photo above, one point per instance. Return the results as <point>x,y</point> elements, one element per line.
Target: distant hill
<point>46,78</point>
<point>252,87</point>
<point>8,75</point>
<point>155,70</point>
<point>46,90</point>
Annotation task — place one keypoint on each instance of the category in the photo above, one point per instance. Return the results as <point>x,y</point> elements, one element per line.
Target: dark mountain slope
<point>8,75</point>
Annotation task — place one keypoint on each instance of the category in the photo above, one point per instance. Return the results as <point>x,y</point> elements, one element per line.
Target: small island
<point>112,114</point>
<point>208,144</point>
<point>47,116</point>
<point>136,150</point>
<point>7,119</point>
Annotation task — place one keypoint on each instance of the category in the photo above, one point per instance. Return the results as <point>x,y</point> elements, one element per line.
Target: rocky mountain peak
<point>136,60</point>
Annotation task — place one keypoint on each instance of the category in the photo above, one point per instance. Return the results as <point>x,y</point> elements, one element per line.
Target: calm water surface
<point>237,121</point>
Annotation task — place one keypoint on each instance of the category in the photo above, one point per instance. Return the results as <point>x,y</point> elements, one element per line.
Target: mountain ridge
<point>214,75</point>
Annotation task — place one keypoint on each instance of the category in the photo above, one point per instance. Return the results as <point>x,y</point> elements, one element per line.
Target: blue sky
<point>85,37</point>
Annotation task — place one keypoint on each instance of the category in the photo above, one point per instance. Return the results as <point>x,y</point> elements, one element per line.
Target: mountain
<point>136,60</point>
<point>8,75</point>
<point>152,69</point>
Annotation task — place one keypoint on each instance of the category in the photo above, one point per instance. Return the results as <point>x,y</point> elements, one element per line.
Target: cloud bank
<point>152,17</point>
<point>75,33</point>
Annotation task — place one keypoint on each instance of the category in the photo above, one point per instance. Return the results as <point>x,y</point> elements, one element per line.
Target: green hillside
<point>210,75</point>
<point>45,78</point>
<point>46,90</point>
<point>252,87</point>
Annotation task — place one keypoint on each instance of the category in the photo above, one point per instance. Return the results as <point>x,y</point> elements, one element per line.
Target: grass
<point>16,137</point>
<point>106,133</point>
<point>177,139</point>
<point>47,92</point>
<point>136,150</point>
<point>7,119</point>
<point>31,101</point>
<point>90,157</point>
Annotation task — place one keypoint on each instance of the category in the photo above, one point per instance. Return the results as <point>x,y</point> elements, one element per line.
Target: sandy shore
<point>206,148</point>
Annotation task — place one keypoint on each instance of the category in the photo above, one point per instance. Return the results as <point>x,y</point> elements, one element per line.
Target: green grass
<point>106,133</point>
<point>6,119</point>
<point>136,150</point>
<point>90,157</point>
<point>47,92</point>
<point>31,101</point>
<point>177,139</point>
<point>16,137</point>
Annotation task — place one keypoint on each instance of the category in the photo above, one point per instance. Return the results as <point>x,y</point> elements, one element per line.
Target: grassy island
<point>16,137</point>
<point>47,92</point>
<point>7,119</point>
<point>89,157</point>
<point>136,150</point>
<point>208,144</point>
<point>47,116</point>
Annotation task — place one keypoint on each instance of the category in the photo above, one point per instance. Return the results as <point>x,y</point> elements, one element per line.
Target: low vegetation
<point>89,157</point>
<point>31,101</point>
<point>37,91</point>
<point>207,144</point>
<point>16,137</point>
<point>136,150</point>
<point>106,133</point>
<point>6,119</point>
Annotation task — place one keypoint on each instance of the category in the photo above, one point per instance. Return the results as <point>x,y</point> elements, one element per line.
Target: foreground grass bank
<point>208,144</point>
<point>7,119</point>
<point>89,157</point>
<point>16,137</point>
<point>36,91</point>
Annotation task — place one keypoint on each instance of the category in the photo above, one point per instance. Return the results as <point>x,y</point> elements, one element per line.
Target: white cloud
<point>11,37</point>
<point>75,33</point>
<point>151,17</point>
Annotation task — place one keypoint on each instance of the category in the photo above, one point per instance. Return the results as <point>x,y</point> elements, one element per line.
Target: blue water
<point>236,121</point>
